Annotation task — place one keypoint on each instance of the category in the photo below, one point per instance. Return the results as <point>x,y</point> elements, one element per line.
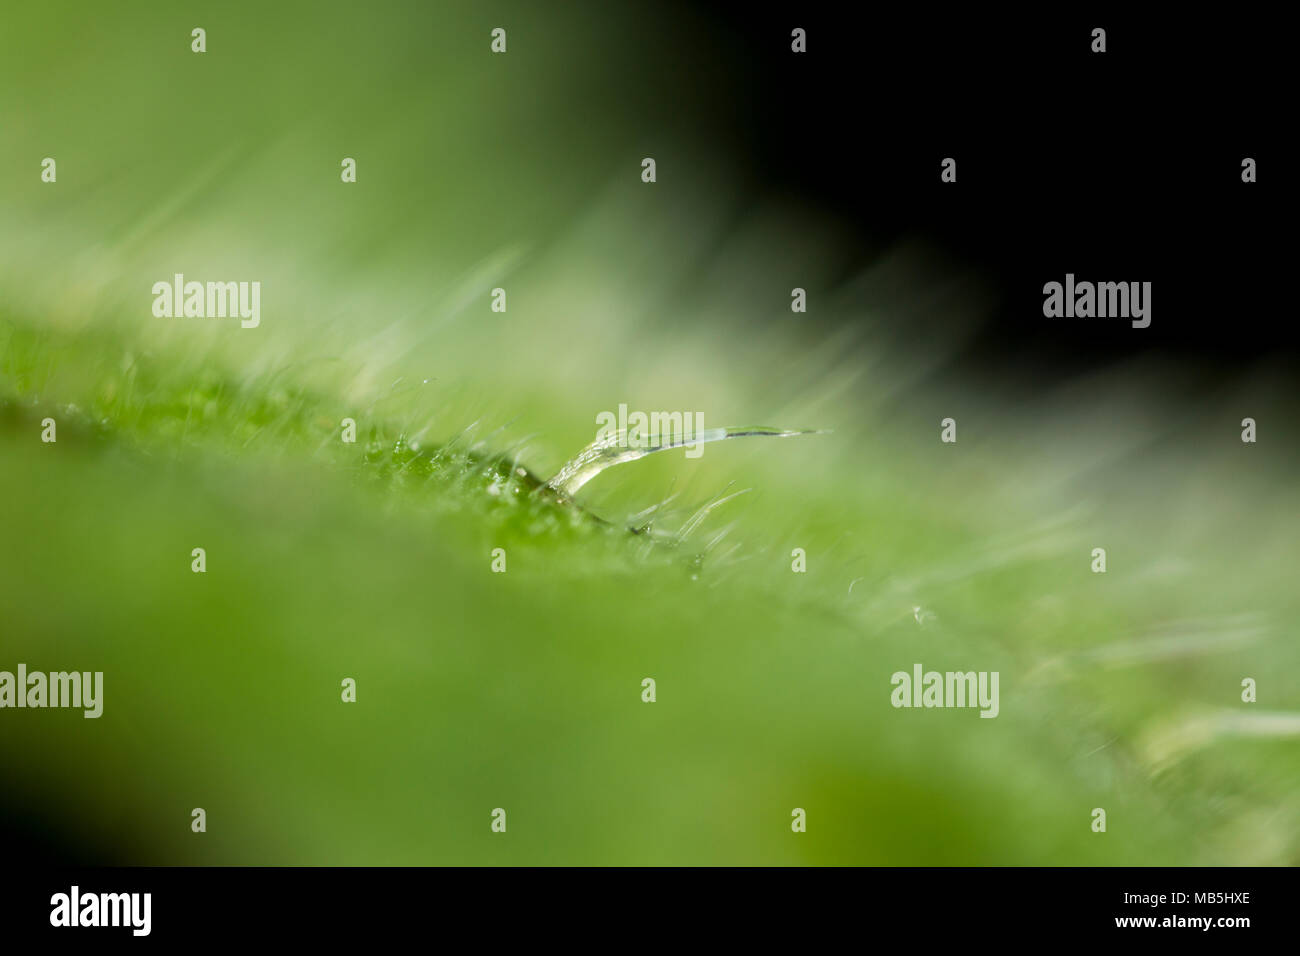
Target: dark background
<point>1122,166</point>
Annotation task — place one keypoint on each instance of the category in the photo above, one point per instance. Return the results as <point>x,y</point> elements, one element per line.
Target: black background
<point>1120,166</point>
<point>919,909</point>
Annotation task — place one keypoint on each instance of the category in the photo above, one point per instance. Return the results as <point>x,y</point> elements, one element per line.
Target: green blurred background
<point>523,690</point>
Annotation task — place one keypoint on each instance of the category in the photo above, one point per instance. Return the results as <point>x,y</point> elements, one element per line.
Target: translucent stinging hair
<point>615,449</point>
